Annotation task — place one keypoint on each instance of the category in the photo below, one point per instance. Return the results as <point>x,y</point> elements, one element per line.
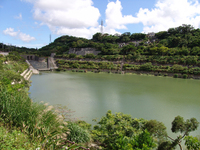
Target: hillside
<point>182,40</point>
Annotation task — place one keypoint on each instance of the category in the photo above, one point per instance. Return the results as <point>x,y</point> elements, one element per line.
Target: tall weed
<point>34,119</point>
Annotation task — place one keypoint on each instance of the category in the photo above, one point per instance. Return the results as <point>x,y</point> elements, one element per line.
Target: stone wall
<point>83,51</point>
<point>4,53</point>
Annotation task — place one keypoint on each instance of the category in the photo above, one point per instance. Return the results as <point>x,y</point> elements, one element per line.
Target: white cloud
<point>166,14</point>
<point>67,17</point>
<point>19,17</point>
<point>170,13</point>
<point>80,17</point>
<point>18,34</point>
<point>25,37</point>
<point>10,31</point>
<point>114,17</point>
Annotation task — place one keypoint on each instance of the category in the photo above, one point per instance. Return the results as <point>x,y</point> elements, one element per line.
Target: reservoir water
<point>91,95</point>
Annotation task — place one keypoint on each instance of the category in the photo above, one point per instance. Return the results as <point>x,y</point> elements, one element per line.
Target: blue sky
<point>29,23</point>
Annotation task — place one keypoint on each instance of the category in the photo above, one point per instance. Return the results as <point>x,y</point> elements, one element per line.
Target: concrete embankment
<point>34,71</point>
<point>28,72</point>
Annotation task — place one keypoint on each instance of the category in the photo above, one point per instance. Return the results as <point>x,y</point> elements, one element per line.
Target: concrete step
<point>27,74</point>
<point>23,73</point>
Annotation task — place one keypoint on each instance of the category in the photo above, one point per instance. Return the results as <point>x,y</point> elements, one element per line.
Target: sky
<point>30,23</point>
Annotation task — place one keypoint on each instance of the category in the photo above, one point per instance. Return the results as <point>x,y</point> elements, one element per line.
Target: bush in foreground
<point>36,120</point>
<point>15,139</point>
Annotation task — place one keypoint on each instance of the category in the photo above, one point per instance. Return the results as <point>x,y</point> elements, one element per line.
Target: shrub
<point>80,70</point>
<point>77,134</point>
<point>146,67</point>
<point>73,70</point>
<point>59,69</point>
<point>72,55</point>
<point>185,76</point>
<point>175,75</point>
<point>165,74</point>
<point>35,119</point>
<point>15,140</point>
<point>89,55</point>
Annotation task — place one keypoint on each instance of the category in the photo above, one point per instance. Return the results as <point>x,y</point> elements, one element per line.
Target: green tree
<point>138,36</point>
<point>192,143</point>
<point>143,141</point>
<point>163,50</point>
<point>124,38</point>
<point>97,37</point>
<point>184,127</point>
<point>161,35</point>
<point>120,131</point>
<point>156,129</point>
<point>128,48</point>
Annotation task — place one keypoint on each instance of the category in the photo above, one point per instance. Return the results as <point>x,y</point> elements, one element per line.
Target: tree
<point>97,37</point>
<point>121,131</point>
<point>124,38</point>
<point>195,50</point>
<point>184,127</point>
<point>128,48</point>
<point>144,141</point>
<point>162,50</point>
<point>154,50</point>
<point>161,35</point>
<point>127,33</point>
<point>156,128</point>
<point>137,36</point>
<point>192,143</point>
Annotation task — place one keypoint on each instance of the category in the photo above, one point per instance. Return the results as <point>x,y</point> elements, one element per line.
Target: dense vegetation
<point>30,125</point>
<point>25,50</point>
<point>65,64</point>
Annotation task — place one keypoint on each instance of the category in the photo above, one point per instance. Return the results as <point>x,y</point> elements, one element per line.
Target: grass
<point>15,139</point>
<point>36,120</point>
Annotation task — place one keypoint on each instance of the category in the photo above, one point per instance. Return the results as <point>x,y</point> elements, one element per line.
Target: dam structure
<point>37,64</point>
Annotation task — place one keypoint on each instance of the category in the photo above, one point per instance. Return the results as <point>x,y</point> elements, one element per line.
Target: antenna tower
<point>101,26</point>
<point>50,38</point>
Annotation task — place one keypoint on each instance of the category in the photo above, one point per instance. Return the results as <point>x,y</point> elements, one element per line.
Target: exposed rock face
<point>83,51</point>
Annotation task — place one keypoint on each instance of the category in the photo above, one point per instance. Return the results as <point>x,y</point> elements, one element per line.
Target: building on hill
<point>151,35</point>
<point>83,51</point>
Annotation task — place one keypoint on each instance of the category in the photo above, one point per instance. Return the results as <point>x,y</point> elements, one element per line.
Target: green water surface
<point>91,95</point>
